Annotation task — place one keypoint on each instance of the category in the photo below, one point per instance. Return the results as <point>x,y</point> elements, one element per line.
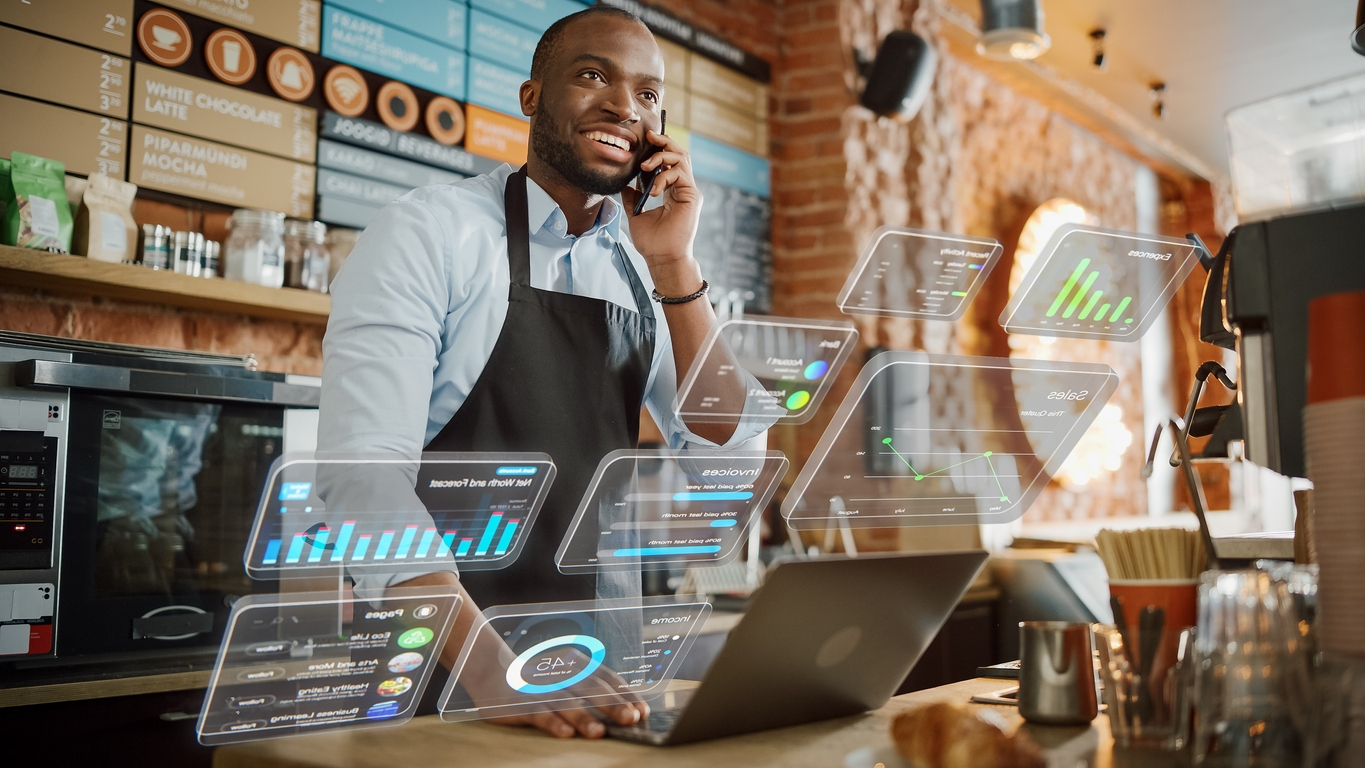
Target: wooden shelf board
<point>77,275</point>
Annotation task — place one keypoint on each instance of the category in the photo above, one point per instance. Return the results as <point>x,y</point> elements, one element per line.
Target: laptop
<point>822,639</point>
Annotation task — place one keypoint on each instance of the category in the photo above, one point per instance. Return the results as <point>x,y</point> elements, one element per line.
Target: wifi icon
<point>346,91</point>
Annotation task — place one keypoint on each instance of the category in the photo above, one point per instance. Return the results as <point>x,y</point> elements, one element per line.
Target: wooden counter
<point>426,741</point>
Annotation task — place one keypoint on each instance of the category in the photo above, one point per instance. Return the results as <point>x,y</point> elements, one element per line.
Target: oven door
<point>160,498</point>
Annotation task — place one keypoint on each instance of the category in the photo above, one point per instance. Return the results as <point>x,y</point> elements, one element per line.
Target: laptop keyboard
<point>661,720</point>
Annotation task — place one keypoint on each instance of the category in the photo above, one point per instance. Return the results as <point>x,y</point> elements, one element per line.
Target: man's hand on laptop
<point>565,724</point>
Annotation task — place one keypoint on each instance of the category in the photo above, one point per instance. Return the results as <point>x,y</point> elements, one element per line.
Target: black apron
<point>567,377</point>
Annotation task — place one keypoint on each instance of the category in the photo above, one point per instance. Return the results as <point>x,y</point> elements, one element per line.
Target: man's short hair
<point>553,39</point>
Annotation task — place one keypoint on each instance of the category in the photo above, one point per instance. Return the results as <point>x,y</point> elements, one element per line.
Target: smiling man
<point>526,310</point>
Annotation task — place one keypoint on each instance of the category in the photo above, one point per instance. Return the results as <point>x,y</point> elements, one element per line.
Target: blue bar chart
<point>493,537</point>
<point>317,517</point>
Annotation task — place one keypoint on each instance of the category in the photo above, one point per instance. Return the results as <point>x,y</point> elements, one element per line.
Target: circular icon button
<point>415,638</point>
<point>346,93</point>
<point>290,74</point>
<point>424,611</point>
<point>445,121</point>
<point>230,56</point>
<point>164,37</point>
<point>397,106</point>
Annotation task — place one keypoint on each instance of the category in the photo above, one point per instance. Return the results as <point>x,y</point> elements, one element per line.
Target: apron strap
<point>518,228</point>
<point>637,288</point>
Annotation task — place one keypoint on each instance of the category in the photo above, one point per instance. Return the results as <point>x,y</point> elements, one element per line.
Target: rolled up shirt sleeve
<point>662,394</point>
<point>390,302</point>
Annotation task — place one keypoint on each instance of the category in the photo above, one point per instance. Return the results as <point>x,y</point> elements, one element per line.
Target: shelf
<point>77,275</point>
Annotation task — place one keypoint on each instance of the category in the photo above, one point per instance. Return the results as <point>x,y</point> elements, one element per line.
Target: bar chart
<point>317,518</point>
<point>1097,283</point>
<point>414,542</point>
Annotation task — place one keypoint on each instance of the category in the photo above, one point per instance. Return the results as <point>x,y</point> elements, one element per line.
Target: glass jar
<point>306,259</point>
<point>340,241</point>
<point>254,252</point>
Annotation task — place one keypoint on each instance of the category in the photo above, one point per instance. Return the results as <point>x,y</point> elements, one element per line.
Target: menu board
<point>209,171</point>
<point>734,246</point>
<point>168,99</point>
<point>294,22</point>
<point>42,68</point>
<point>83,142</point>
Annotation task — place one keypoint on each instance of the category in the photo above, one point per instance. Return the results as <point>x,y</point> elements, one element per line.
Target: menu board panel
<point>343,212</point>
<point>494,39</point>
<point>711,119</point>
<point>104,24</point>
<point>497,88</point>
<point>675,66</point>
<point>376,165</point>
<point>83,142</point>
<point>494,135</point>
<point>294,22</point>
<point>377,193</point>
<point>48,69</point>
<point>382,49</point>
<point>729,87</point>
<point>168,99</point>
<point>365,133</point>
<point>729,166</point>
<point>537,14</point>
<point>443,21</point>
<point>209,171</point>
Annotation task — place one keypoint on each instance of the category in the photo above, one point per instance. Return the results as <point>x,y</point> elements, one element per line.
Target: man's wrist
<point>677,279</point>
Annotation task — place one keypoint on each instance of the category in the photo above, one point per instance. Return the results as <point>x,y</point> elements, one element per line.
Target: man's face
<point>599,94</point>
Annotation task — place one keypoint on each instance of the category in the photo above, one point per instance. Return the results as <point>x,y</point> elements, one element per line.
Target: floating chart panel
<point>909,273</point>
<point>945,440</point>
<point>377,515</point>
<point>529,658</point>
<point>303,663</point>
<point>1099,284</point>
<point>769,368</point>
<point>652,510</point>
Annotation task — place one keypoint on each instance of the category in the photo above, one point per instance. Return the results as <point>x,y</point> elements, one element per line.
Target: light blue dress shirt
<point>419,304</point>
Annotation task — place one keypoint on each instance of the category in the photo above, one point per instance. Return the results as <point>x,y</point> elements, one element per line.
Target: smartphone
<point>647,177</point>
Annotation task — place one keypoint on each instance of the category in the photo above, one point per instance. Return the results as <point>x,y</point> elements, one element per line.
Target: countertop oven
<point>129,478</point>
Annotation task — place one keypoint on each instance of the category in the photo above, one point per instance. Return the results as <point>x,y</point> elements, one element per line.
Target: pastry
<point>947,735</point>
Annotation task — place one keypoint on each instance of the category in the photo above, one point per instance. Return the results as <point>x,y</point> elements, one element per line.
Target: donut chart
<point>554,665</point>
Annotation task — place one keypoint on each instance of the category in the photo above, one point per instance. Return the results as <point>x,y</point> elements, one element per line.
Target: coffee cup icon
<point>165,39</point>
<point>232,55</point>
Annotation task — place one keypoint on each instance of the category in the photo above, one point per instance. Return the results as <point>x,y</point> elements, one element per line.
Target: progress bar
<point>657,551</point>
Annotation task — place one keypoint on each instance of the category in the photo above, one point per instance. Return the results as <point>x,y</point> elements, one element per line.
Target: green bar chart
<point>1092,283</point>
<point>1069,289</point>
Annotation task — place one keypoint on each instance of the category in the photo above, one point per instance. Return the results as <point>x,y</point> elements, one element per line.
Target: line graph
<point>920,476</point>
<point>927,440</point>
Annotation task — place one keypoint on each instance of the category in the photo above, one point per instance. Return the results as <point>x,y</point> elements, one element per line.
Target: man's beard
<point>561,156</point>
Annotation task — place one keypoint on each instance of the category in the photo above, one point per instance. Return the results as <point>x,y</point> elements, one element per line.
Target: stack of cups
<point>1334,443</point>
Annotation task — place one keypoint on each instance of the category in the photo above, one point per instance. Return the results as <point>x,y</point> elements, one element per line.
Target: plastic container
<point>254,251</point>
<point>307,262</point>
<point>1299,151</point>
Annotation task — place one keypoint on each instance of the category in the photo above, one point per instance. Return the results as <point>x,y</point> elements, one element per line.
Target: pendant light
<point>1012,30</point>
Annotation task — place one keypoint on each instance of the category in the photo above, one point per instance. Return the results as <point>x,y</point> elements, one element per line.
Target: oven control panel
<point>28,475</point>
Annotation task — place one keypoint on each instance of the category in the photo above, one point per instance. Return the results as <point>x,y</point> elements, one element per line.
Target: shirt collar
<point>543,213</point>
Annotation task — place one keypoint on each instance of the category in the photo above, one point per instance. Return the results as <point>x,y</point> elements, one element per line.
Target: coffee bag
<point>105,230</point>
<point>36,212</point>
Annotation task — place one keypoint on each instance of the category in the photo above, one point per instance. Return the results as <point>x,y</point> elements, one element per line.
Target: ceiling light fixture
<point>1097,49</point>
<point>1157,93</point>
<point>1012,30</point>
